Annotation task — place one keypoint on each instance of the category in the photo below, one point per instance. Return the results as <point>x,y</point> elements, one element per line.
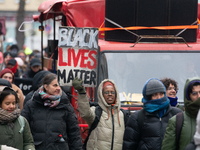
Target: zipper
<point>112,127</point>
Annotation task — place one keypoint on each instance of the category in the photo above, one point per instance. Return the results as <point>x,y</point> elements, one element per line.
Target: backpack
<point>22,123</point>
<point>179,124</point>
<point>98,112</point>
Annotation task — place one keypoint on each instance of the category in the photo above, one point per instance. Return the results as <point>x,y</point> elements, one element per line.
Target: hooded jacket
<point>189,124</point>
<point>12,137</point>
<point>149,135</point>
<point>53,128</point>
<point>108,135</point>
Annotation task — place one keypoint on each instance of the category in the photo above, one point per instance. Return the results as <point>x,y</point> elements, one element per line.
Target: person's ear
<point>45,86</point>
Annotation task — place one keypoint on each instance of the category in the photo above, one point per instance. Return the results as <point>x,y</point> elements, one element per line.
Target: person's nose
<point>12,106</point>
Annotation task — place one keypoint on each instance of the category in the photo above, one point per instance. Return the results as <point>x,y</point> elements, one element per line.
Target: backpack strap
<point>98,112</point>
<point>179,124</point>
<point>126,115</point>
<point>22,123</point>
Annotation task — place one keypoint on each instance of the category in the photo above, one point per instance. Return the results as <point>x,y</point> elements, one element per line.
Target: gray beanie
<point>154,86</point>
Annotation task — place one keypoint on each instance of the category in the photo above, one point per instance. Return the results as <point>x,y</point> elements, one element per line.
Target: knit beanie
<point>154,86</point>
<point>6,70</point>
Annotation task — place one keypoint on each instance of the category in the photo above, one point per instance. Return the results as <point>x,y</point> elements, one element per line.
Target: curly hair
<point>168,81</point>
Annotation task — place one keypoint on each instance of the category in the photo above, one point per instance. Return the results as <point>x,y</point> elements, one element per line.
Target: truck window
<point>130,71</point>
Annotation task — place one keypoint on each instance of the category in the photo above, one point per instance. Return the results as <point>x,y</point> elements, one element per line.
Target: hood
<point>102,102</point>
<point>191,108</point>
<point>38,78</point>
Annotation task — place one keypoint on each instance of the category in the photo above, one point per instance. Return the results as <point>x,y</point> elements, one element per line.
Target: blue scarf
<point>155,105</point>
<point>173,101</point>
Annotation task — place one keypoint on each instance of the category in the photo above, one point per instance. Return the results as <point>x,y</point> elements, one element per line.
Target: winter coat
<point>145,128</point>
<point>150,135</point>
<point>19,94</point>
<point>12,137</point>
<point>53,128</point>
<point>108,135</point>
<point>188,127</point>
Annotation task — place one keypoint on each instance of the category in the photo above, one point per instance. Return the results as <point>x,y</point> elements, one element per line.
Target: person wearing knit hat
<point>112,120</point>
<point>148,133</point>
<point>8,75</point>
<point>192,105</point>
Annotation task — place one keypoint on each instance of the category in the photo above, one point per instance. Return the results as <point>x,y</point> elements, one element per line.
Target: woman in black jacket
<point>52,119</point>
<point>145,128</point>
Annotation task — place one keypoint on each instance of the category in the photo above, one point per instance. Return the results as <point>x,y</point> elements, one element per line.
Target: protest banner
<point>77,56</point>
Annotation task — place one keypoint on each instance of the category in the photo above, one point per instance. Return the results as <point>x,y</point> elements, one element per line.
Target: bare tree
<point>20,37</point>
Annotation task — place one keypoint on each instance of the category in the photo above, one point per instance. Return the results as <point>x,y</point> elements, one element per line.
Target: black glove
<point>77,84</point>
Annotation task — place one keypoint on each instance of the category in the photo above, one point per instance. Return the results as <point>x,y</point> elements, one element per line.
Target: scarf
<point>50,100</point>
<point>191,107</point>
<point>7,117</point>
<point>14,69</point>
<point>173,101</point>
<point>156,105</point>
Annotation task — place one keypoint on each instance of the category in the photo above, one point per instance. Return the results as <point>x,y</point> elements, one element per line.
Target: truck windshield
<point>130,71</point>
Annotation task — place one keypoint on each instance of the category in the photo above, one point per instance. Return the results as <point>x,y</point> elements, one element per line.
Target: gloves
<point>77,84</point>
<point>4,147</point>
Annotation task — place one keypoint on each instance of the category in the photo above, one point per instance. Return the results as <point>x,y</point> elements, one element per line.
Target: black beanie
<point>154,86</point>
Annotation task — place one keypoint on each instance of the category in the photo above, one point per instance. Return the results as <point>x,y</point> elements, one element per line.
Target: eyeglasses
<point>195,93</point>
<point>107,92</point>
<point>171,88</point>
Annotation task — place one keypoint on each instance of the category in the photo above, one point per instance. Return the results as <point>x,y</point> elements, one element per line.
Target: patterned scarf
<point>7,117</point>
<point>50,100</point>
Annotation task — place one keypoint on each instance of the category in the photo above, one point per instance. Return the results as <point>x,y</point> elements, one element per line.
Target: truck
<point>135,44</point>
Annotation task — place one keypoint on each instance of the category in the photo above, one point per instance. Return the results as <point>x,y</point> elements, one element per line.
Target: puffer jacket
<point>189,124</point>
<point>12,137</point>
<point>53,128</point>
<point>153,130</point>
<point>108,135</point>
<point>148,133</point>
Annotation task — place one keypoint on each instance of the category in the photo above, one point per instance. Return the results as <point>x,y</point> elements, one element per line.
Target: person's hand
<point>4,147</point>
<point>77,84</point>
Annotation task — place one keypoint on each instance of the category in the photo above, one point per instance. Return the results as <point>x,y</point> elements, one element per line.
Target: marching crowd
<point>46,120</point>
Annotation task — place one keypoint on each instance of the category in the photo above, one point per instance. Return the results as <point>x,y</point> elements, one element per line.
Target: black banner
<point>25,84</point>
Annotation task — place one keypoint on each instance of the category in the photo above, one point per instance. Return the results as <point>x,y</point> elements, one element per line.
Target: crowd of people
<point>45,118</point>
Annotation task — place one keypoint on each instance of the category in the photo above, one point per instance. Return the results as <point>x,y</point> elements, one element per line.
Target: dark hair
<point>49,78</point>
<point>8,91</point>
<point>190,87</point>
<point>167,81</point>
